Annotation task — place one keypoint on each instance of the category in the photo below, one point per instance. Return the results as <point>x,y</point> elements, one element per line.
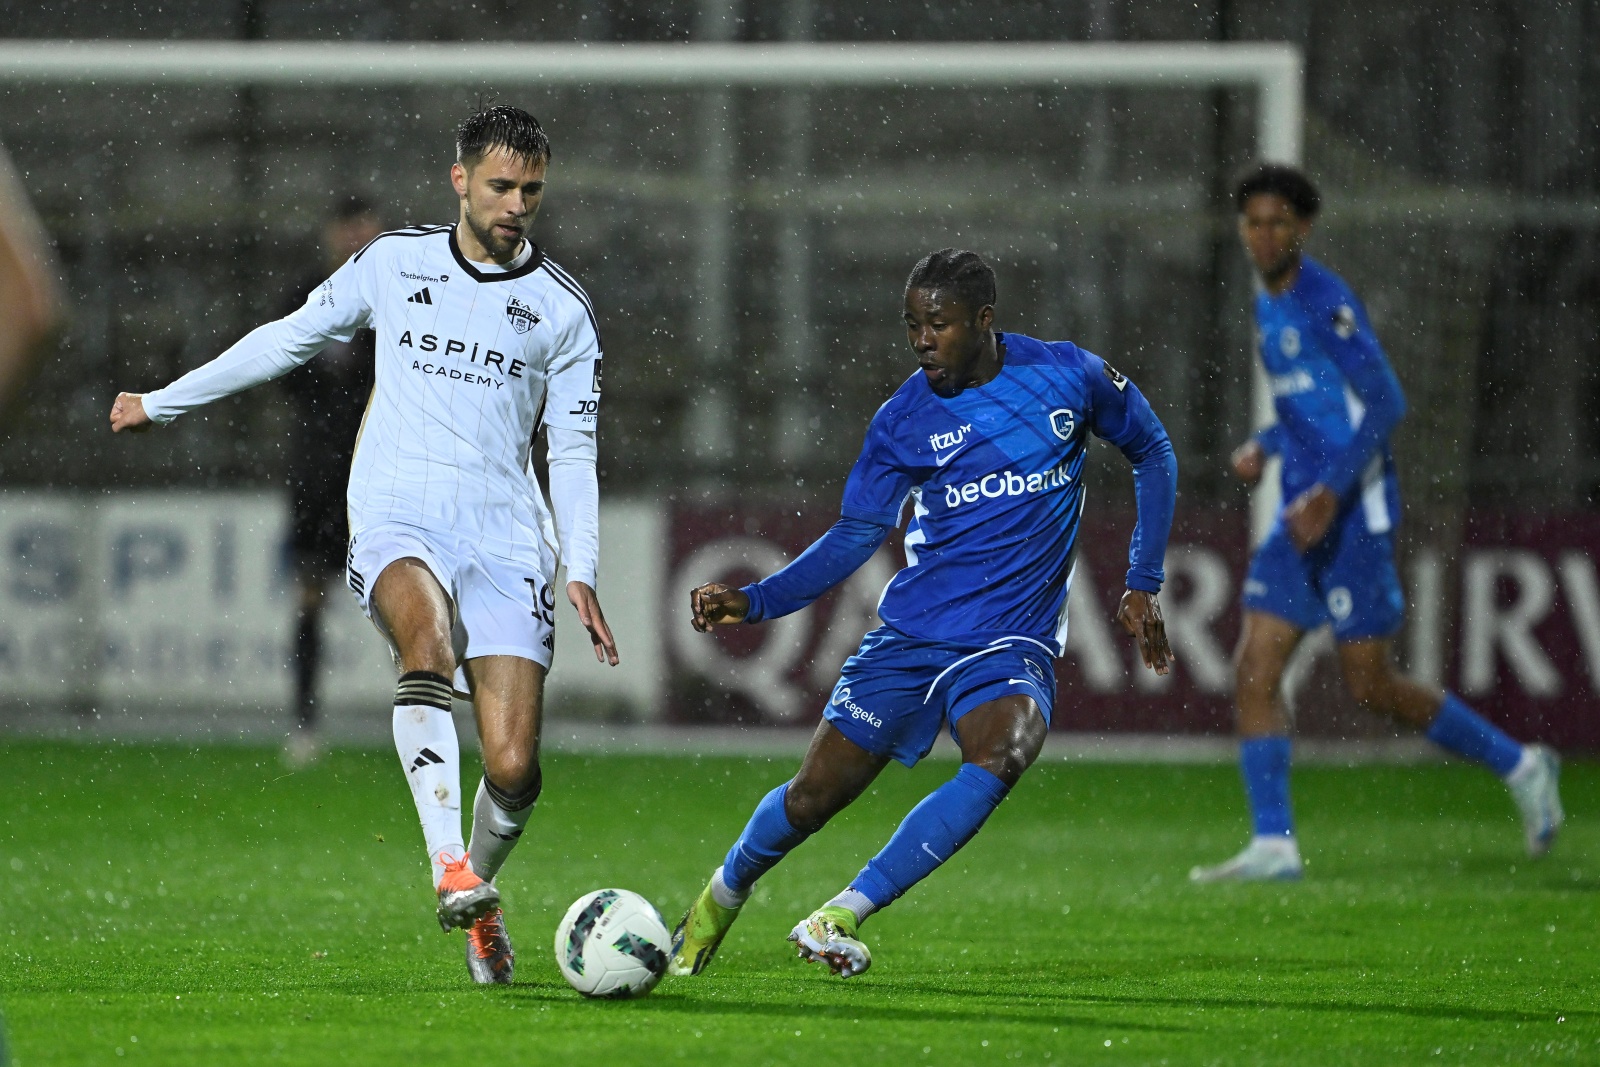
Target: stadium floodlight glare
<point>1273,70</point>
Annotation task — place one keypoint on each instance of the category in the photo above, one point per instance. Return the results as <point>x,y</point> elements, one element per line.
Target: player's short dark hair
<point>1282,180</point>
<point>501,126</point>
<point>961,273</point>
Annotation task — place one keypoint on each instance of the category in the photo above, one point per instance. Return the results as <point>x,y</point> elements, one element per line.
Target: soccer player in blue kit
<point>1329,557</point>
<point>986,443</point>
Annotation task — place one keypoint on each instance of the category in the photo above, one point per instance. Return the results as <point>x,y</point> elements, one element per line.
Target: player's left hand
<point>1309,515</point>
<point>1140,615</point>
<point>587,602</point>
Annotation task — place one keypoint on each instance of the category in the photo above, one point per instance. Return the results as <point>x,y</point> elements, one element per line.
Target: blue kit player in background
<point>986,444</point>
<point>1329,557</point>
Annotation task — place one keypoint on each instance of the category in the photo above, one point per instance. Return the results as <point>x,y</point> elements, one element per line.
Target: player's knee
<point>516,775</point>
<point>1007,762</point>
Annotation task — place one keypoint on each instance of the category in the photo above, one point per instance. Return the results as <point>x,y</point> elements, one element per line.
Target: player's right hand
<point>714,604</point>
<point>127,413</point>
<point>1248,461</point>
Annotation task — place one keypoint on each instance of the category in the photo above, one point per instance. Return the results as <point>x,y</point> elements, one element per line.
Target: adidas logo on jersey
<point>421,296</point>
<point>523,318</point>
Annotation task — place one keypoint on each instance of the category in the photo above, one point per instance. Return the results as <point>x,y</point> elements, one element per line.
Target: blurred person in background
<point>328,395</point>
<point>1329,557</point>
<point>30,296</point>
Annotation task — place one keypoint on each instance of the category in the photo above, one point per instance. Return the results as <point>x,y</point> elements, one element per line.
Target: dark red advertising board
<point>1515,628</point>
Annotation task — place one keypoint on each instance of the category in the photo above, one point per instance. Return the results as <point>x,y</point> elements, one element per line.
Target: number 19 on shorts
<point>544,601</point>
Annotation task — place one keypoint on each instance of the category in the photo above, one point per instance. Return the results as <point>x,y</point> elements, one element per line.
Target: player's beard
<point>497,246</point>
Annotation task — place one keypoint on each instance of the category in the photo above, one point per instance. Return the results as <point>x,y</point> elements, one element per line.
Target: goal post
<point>1272,70</point>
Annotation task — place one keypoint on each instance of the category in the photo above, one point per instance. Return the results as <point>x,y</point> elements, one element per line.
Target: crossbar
<point>1274,70</point>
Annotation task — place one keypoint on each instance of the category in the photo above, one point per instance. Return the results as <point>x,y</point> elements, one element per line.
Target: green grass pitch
<point>170,906</point>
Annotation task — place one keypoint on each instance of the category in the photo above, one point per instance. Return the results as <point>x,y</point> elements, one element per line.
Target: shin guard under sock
<point>425,738</point>
<point>933,832</point>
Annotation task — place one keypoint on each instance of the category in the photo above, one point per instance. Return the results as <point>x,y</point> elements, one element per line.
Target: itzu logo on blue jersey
<point>948,444</point>
<point>523,318</point>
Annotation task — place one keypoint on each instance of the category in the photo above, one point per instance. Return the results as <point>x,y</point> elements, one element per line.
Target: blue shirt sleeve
<point>877,487</point>
<point>1121,415</point>
<point>1270,438</point>
<point>1347,337</point>
<point>832,558</point>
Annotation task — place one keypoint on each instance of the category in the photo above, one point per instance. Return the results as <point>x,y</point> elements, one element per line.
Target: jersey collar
<point>533,262</point>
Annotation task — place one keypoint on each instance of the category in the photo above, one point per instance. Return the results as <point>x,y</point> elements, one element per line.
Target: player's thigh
<point>1003,736</point>
<point>833,774</point>
<point>508,704</point>
<point>1266,641</point>
<point>413,608</point>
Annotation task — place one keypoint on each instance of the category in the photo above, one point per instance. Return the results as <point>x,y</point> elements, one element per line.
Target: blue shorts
<point>896,691</point>
<point>1349,579</point>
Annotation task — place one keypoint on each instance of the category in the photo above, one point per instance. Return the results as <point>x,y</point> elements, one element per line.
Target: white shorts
<point>500,606</point>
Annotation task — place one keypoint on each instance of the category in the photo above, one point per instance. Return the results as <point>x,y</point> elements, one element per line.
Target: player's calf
<point>498,820</point>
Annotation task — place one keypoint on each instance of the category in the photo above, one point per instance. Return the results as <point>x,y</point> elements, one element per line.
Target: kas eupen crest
<point>523,318</point>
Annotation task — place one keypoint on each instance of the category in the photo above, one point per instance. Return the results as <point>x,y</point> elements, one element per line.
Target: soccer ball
<point>612,943</point>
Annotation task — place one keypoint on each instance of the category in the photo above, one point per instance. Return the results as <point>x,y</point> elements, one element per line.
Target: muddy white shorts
<point>500,606</point>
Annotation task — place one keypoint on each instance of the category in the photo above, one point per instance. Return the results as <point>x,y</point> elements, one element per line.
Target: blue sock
<point>932,833</point>
<point>1264,762</point>
<point>1463,731</point>
<point>767,838</point>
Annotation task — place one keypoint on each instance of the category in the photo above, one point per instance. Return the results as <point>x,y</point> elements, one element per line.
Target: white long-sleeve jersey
<point>471,360</point>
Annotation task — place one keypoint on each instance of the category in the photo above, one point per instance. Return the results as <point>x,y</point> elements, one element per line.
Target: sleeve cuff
<point>152,407</point>
<point>1142,583</point>
<point>758,605</point>
<point>585,575</point>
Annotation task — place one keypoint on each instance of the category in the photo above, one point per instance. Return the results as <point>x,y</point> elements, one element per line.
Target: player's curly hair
<point>501,126</point>
<point>957,271</point>
<point>1282,180</point>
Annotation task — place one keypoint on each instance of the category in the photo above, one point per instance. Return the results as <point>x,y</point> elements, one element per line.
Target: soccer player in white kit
<point>481,339</point>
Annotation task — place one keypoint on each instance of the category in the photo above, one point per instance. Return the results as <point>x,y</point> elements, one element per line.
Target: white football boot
<point>1264,859</point>
<point>1534,786</point>
<point>828,936</point>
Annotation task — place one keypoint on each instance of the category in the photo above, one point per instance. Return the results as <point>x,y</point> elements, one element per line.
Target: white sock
<point>495,830</point>
<point>1525,764</point>
<point>725,896</point>
<point>854,902</point>
<point>1283,843</point>
<point>425,738</point>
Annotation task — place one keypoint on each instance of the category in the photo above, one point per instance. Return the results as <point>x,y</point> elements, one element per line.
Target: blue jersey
<point>1335,395</point>
<point>993,477</point>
